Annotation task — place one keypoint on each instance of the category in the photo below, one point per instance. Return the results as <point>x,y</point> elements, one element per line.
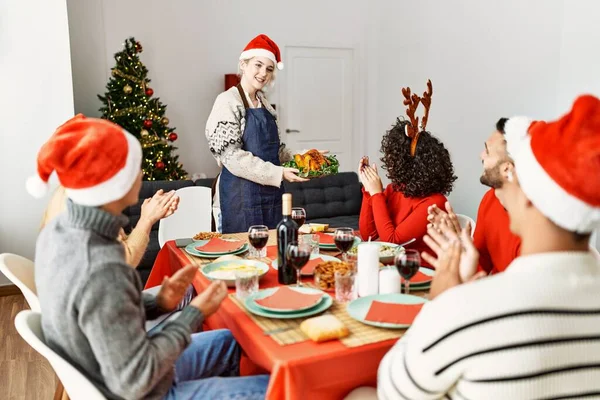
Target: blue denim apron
<point>245,203</point>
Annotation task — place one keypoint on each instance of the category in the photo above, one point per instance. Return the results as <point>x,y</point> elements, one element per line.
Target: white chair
<point>464,219</point>
<point>77,386</point>
<point>19,270</point>
<point>193,215</point>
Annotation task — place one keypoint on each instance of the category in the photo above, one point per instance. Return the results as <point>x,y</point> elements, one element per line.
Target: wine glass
<point>258,236</point>
<point>408,263</point>
<point>299,216</point>
<point>298,255</point>
<point>344,240</point>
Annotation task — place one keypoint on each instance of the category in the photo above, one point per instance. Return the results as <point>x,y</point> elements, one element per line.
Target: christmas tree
<point>128,102</point>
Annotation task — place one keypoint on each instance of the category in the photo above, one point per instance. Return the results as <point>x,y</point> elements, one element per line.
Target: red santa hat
<point>558,164</point>
<point>96,161</point>
<point>263,46</point>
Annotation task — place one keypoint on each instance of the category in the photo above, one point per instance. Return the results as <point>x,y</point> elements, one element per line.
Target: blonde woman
<point>243,137</point>
<point>159,206</point>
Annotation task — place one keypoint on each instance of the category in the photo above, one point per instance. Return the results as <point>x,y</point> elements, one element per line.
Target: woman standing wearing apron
<point>244,138</point>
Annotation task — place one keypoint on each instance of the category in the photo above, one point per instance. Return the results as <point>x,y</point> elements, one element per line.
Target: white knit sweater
<point>224,130</point>
<point>532,332</point>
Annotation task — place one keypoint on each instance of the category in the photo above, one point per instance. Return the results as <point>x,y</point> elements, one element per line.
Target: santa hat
<point>263,46</point>
<point>96,161</point>
<point>558,164</point>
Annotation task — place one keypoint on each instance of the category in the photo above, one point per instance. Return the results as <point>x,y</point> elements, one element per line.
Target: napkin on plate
<point>393,313</point>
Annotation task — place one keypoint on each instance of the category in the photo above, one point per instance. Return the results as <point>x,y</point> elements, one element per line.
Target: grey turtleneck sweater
<point>93,309</point>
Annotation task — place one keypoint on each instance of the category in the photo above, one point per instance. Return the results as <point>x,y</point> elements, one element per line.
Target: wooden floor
<point>24,374</point>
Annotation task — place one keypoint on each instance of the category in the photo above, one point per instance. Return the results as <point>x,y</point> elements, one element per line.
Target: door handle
<point>292,131</point>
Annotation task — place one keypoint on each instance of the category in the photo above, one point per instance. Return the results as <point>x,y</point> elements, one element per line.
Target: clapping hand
<point>456,257</point>
<point>159,206</point>
<point>174,288</point>
<point>437,217</point>
<point>369,176</point>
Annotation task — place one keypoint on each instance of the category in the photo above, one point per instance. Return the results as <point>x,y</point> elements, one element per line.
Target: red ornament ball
<point>160,165</point>
<point>148,123</point>
<point>138,47</point>
<point>173,136</point>
<point>149,92</point>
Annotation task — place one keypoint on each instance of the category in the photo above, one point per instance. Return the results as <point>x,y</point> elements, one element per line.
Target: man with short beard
<point>496,244</point>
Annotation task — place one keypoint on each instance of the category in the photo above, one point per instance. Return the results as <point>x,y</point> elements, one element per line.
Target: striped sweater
<point>532,332</point>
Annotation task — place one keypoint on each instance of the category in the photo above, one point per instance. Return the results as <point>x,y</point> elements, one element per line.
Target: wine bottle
<point>287,231</point>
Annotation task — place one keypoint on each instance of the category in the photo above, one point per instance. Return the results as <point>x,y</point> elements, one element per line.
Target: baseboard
<point>9,290</point>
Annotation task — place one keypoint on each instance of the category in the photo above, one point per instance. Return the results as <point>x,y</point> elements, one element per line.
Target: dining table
<point>299,368</point>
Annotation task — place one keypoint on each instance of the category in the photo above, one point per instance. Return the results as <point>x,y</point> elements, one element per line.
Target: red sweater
<point>392,217</point>
<point>497,245</point>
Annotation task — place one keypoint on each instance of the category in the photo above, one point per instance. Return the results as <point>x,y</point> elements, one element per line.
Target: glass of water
<point>311,239</point>
<point>246,284</point>
<point>345,286</point>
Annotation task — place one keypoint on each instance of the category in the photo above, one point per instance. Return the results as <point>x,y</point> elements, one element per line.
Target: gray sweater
<point>93,309</point>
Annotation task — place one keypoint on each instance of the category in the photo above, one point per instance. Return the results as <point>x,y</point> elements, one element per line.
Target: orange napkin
<point>218,245</point>
<point>393,313</point>
<point>325,238</point>
<point>421,278</point>
<point>309,268</point>
<point>285,298</point>
<point>272,252</point>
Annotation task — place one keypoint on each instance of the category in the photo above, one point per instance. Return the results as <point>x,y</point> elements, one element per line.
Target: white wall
<point>36,82</point>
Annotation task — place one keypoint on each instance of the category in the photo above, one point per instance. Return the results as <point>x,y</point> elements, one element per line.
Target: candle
<point>368,269</point>
<point>389,281</point>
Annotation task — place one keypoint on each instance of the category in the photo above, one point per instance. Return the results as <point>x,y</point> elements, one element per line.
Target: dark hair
<point>430,171</point>
<point>500,125</point>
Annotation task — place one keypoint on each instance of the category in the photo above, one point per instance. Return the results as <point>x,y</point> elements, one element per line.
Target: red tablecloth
<point>304,370</point>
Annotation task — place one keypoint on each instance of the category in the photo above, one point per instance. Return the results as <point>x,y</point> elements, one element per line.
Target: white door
<point>318,108</point>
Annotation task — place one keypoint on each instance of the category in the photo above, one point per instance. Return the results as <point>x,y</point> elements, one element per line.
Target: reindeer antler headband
<point>413,130</point>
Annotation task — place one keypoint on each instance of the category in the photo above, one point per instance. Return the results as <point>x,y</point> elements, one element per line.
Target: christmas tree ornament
<point>139,112</point>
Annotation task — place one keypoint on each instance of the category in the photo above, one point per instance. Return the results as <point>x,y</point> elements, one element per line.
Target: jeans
<point>209,369</point>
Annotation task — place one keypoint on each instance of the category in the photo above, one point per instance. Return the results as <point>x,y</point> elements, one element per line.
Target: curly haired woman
<point>422,175</point>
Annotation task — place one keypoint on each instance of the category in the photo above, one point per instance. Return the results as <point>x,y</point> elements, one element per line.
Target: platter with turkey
<point>313,164</point>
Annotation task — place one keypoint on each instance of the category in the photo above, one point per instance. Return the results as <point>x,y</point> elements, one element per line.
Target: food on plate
<point>228,257</point>
<point>314,164</point>
<point>227,272</point>
<point>323,328</point>
<point>206,235</point>
<point>313,228</point>
<point>325,273</point>
<point>384,250</point>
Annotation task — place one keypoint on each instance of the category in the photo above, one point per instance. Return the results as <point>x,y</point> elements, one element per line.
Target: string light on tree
<point>129,102</point>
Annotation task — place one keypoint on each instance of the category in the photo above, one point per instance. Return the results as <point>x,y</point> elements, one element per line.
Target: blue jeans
<point>209,369</point>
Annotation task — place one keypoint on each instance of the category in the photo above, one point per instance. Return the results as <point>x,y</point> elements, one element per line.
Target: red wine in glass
<point>299,216</point>
<point>408,264</point>
<point>258,236</point>
<point>298,256</point>
<point>344,243</point>
<point>258,239</point>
